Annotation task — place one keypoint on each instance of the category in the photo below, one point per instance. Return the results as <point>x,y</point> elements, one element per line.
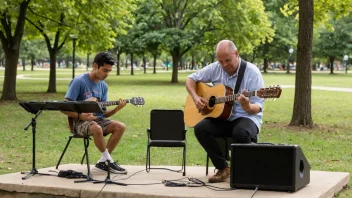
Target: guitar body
<point>221,110</point>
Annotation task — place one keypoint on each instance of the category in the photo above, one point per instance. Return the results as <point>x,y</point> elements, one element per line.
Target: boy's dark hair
<point>104,58</point>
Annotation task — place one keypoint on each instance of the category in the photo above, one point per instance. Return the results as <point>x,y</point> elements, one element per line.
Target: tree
<point>284,38</point>
<point>244,22</point>
<point>148,24</point>
<point>58,20</point>
<point>32,48</point>
<point>335,41</point>
<point>302,104</point>
<point>12,19</point>
<point>187,22</point>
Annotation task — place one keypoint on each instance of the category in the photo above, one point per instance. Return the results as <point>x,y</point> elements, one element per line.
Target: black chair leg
<point>86,144</point>
<point>63,153</point>
<point>184,161</point>
<point>227,157</point>
<point>89,175</point>
<point>206,168</point>
<point>147,163</point>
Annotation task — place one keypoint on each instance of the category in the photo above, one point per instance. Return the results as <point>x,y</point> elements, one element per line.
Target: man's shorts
<point>82,127</point>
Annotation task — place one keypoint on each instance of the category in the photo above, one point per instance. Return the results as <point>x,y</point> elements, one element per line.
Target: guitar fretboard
<point>234,97</point>
<point>110,103</point>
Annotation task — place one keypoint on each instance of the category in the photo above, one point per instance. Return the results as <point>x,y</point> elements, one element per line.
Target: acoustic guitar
<point>220,101</point>
<point>136,101</point>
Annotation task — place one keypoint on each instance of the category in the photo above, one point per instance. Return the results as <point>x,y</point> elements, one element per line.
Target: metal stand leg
<point>89,175</point>
<point>108,180</point>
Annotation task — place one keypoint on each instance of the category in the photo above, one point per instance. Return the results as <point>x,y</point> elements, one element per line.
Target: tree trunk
<point>145,64</point>
<point>181,63</point>
<point>288,64</point>
<point>126,62</point>
<point>88,60</point>
<point>118,64</point>
<point>265,55</point>
<point>176,57</point>
<point>11,46</point>
<point>167,64</point>
<point>154,63</point>
<point>331,60</point>
<point>193,63</point>
<point>32,63</point>
<point>24,64</point>
<point>302,115</point>
<point>132,73</point>
<point>9,86</point>
<point>266,64</point>
<point>52,75</point>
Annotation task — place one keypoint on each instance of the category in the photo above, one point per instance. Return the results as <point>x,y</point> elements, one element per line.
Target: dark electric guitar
<point>136,101</point>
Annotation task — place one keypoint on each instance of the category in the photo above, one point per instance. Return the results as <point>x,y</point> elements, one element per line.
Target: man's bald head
<point>227,56</point>
<point>225,46</point>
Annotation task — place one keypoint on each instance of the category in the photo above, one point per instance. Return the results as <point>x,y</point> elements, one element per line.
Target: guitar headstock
<point>137,101</point>
<point>270,92</point>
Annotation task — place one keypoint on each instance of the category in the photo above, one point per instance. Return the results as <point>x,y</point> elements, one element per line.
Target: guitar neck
<point>234,97</point>
<point>111,103</point>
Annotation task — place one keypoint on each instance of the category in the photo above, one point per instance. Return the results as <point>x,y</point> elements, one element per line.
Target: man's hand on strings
<point>200,102</point>
<point>243,100</point>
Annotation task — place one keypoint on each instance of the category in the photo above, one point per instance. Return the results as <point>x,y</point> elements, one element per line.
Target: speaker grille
<point>268,165</point>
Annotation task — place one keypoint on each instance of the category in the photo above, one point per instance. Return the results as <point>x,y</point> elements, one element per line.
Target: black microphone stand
<point>108,180</point>
<point>34,171</point>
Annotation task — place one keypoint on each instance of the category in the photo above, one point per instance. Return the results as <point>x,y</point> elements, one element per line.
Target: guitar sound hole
<point>212,101</point>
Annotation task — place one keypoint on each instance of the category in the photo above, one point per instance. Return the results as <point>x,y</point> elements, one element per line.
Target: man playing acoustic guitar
<point>245,115</point>
<point>90,86</point>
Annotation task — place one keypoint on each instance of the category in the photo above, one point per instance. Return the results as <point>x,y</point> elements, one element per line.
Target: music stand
<point>37,108</point>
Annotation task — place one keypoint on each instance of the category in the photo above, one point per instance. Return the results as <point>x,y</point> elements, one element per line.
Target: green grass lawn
<point>327,146</point>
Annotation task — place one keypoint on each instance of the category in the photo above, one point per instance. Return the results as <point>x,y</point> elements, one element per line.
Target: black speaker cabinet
<point>269,166</point>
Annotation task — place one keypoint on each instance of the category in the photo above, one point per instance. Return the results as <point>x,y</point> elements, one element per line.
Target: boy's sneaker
<point>101,166</point>
<point>116,168</point>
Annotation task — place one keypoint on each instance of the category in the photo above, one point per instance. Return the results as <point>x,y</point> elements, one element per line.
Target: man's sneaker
<point>116,168</point>
<point>220,176</point>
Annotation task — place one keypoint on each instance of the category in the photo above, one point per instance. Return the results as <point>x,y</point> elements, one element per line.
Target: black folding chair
<point>85,154</point>
<point>167,129</point>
